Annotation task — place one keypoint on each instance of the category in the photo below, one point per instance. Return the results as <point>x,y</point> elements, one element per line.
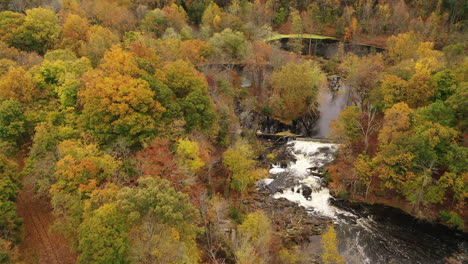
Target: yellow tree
<point>119,106</point>
<point>254,239</point>
<point>239,159</point>
<point>75,29</point>
<point>188,156</point>
<point>330,247</point>
<point>18,84</point>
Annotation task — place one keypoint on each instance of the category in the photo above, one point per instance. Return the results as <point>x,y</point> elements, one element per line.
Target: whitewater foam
<point>309,157</point>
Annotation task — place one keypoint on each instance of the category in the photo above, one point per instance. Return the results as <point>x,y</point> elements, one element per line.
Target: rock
<point>291,221</point>
<point>306,192</point>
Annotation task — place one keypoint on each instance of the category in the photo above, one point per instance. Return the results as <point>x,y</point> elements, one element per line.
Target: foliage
<point>19,85</point>
<point>166,212</point>
<point>187,93</point>
<point>239,159</point>
<point>295,89</point>
<point>330,248</point>
<point>117,105</point>
<point>103,236</point>
<point>254,237</point>
<point>452,218</point>
<point>188,156</point>
<point>39,31</point>
<point>10,223</point>
<point>229,45</point>
<point>346,127</point>
<point>12,121</point>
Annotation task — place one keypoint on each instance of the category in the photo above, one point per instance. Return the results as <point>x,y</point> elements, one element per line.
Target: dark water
<point>381,234</point>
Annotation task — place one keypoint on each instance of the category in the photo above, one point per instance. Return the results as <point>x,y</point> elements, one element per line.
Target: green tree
<point>103,236</point>
<point>187,95</point>
<point>170,220</point>
<point>446,84</point>
<point>9,23</point>
<point>60,74</point>
<point>12,121</point>
<point>155,21</point>
<point>229,45</point>
<point>39,31</point>
<point>10,223</point>
<point>198,111</point>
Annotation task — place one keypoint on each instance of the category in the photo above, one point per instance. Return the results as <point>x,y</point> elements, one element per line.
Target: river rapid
<point>366,234</point>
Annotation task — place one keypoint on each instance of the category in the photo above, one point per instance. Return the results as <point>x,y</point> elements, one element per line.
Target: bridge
<point>287,136</point>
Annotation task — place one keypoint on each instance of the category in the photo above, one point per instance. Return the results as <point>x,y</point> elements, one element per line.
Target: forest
<point>134,123</point>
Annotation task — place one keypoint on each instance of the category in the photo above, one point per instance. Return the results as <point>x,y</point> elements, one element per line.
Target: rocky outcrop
<point>290,221</point>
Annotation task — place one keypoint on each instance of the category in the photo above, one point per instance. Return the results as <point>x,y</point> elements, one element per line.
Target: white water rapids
<point>309,158</point>
<point>366,234</point>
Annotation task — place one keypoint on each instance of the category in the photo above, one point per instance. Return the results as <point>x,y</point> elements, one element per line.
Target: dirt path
<point>39,244</point>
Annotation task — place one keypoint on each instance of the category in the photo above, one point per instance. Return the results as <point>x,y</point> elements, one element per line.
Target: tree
<point>392,90</point>
<point>115,104</point>
<point>354,125</point>
<point>229,45</point>
<point>446,84</point>
<point>346,127</point>
<point>75,30</point>
<point>80,170</point>
<point>121,19</point>
<point>188,156</point>
<point>18,84</point>
<point>59,74</point>
<point>361,75</point>
<point>39,32</point>
<point>402,47</point>
<point>295,88</point>
<point>188,95</point>
<point>9,23</point>
<point>12,122</point>
<point>212,17</point>
<point>176,16</point>
<point>103,236</point>
<point>257,65</point>
<point>438,112</point>
<point>195,10</point>
<point>364,167</point>
<point>239,159</point>
<point>168,221</point>
<point>330,248</point>
<point>98,40</point>
<point>155,22</point>
<point>10,223</point>
<point>198,111</point>
<point>254,238</point>
<point>397,121</point>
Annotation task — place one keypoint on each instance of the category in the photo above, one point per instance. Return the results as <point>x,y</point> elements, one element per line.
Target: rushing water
<point>367,234</point>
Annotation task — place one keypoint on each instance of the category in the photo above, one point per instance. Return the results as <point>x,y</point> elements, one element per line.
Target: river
<point>366,234</point>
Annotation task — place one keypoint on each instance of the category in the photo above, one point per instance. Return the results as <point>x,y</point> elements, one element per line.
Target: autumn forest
<point>139,131</point>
